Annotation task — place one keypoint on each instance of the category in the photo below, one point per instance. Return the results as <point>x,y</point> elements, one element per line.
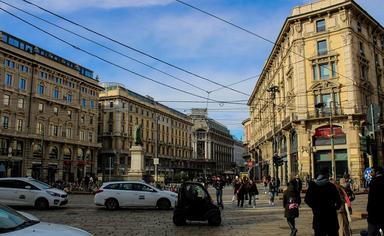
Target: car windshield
<point>40,185</point>
<point>11,220</point>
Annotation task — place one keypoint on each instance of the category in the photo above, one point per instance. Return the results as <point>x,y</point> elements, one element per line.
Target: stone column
<point>303,152</point>
<point>355,161</point>
<point>137,163</point>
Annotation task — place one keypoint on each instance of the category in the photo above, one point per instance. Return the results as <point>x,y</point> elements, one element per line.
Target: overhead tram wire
<point>101,45</point>
<point>102,59</point>
<point>252,33</point>
<point>134,49</point>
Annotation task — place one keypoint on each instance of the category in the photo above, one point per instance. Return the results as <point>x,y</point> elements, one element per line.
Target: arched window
<point>80,154</point>
<point>53,153</point>
<point>37,151</point>
<point>67,154</point>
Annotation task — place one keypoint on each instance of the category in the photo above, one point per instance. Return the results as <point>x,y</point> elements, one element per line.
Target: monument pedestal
<point>137,163</point>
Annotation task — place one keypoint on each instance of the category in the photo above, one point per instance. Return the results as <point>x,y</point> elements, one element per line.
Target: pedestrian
<point>277,184</point>
<point>253,192</point>
<point>343,213</point>
<point>236,186</point>
<point>298,183</point>
<point>219,185</point>
<point>272,192</point>
<point>324,199</point>
<point>375,206</point>
<point>241,192</point>
<point>291,204</point>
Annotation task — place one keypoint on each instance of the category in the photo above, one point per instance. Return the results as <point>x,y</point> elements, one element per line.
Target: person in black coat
<point>375,206</point>
<point>324,199</point>
<point>291,203</point>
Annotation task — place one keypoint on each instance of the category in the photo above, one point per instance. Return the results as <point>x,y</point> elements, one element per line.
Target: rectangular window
<point>364,71</point>
<point>361,47</point>
<point>92,104</point>
<point>322,47</point>
<point>55,130</point>
<point>324,71</point>
<point>43,75</point>
<point>22,84</point>
<point>55,110</point>
<point>23,68</point>
<point>68,133</point>
<point>41,107</point>
<point>111,104</point>
<point>81,135</point>
<point>82,119</point>
<point>56,93</point>
<point>14,42</point>
<point>40,89</point>
<point>91,120</point>
<point>40,128</point>
<point>10,64</point>
<point>334,70</point>
<point>20,103</point>
<point>90,136</point>
<point>4,38</point>
<point>84,103</point>
<point>5,122</point>
<point>320,25</point>
<point>315,72</point>
<point>69,98</point>
<point>8,80</point>
<point>6,100</point>
<point>19,125</point>
<point>69,114</point>
<point>359,27</point>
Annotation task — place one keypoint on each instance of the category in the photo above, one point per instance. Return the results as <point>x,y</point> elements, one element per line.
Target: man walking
<point>375,206</point>
<point>219,185</point>
<point>324,199</point>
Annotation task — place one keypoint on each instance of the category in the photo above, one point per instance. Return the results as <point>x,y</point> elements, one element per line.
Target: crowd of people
<point>330,200</point>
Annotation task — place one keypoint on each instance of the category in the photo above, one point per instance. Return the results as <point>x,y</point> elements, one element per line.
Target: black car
<point>195,204</point>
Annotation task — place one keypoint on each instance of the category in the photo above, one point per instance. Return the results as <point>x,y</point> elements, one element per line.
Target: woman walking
<point>253,191</point>
<point>291,203</point>
<point>272,192</point>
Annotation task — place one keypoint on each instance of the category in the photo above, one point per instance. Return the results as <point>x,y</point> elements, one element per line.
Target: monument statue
<point>139,135</point>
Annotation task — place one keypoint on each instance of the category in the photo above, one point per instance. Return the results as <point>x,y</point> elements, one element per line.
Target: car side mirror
<point>28,187</point>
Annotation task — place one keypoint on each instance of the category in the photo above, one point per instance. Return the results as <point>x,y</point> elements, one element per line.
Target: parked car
<point>13,223</point>
<point>195,204</point>
<point>30,192</point>
<point>113,195</point>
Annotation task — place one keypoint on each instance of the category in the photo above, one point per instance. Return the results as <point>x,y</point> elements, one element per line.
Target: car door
<point>150,195</point>
<point>26,193</point>
<point>139,196</point>
<point>8,192</point>
<point>127,194</point>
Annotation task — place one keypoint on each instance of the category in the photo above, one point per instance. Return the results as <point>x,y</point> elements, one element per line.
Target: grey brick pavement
<point>263,220</point>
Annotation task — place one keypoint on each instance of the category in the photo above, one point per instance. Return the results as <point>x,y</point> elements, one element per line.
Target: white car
<point>113,195</point>
<point>30,192</point>
<point>13,223</point>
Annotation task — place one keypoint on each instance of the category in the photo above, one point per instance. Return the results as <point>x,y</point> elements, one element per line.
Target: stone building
<point>167,134</point>
<point>48,113</point>
<point>212,144</point>
<point>325,70</point>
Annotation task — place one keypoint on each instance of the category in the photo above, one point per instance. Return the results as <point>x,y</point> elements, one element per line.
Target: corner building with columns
<point>48,110</point>
<point>325,70</point>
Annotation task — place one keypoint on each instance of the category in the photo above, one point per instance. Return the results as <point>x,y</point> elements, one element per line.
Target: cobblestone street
<point>262,220</point>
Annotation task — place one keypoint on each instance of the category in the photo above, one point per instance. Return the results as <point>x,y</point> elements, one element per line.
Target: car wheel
<point>163,204</point>
<point>41,204</point>
<point>179,219</point>
<point>112,204</point>
<point>214,219</point>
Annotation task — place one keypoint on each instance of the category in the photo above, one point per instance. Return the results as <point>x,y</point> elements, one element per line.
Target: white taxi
<point>30,192</point>
<point>138,194</point>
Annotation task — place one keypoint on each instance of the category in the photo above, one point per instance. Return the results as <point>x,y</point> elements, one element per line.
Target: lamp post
<point>9,169</point>
<point>273,90</point>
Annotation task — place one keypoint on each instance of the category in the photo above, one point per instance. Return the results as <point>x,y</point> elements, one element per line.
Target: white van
<point>30,192</point>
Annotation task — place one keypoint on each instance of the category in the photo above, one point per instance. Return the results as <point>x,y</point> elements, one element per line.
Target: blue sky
<point>174,33</point>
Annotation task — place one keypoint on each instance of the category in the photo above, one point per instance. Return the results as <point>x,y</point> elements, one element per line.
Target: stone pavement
<point>262,220</point>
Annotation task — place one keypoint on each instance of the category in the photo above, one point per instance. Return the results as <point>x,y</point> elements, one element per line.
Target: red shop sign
<point>326,131</point>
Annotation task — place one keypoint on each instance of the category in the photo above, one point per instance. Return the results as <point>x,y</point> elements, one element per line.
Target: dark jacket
<point>253,189</point>
<point>324,199</point>
<point>375,206</point>
<point>218,185</point>
<point>291,201</point>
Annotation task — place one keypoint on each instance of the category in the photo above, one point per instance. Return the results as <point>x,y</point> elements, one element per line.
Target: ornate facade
<point>48,114</point>
<point>213,144</point>
<point>167,134</point>
<point>325,70</point>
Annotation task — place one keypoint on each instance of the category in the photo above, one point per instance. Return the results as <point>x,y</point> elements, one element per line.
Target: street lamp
<point>333,161</point>
<point>273,90</point>
<point>9,171</point>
